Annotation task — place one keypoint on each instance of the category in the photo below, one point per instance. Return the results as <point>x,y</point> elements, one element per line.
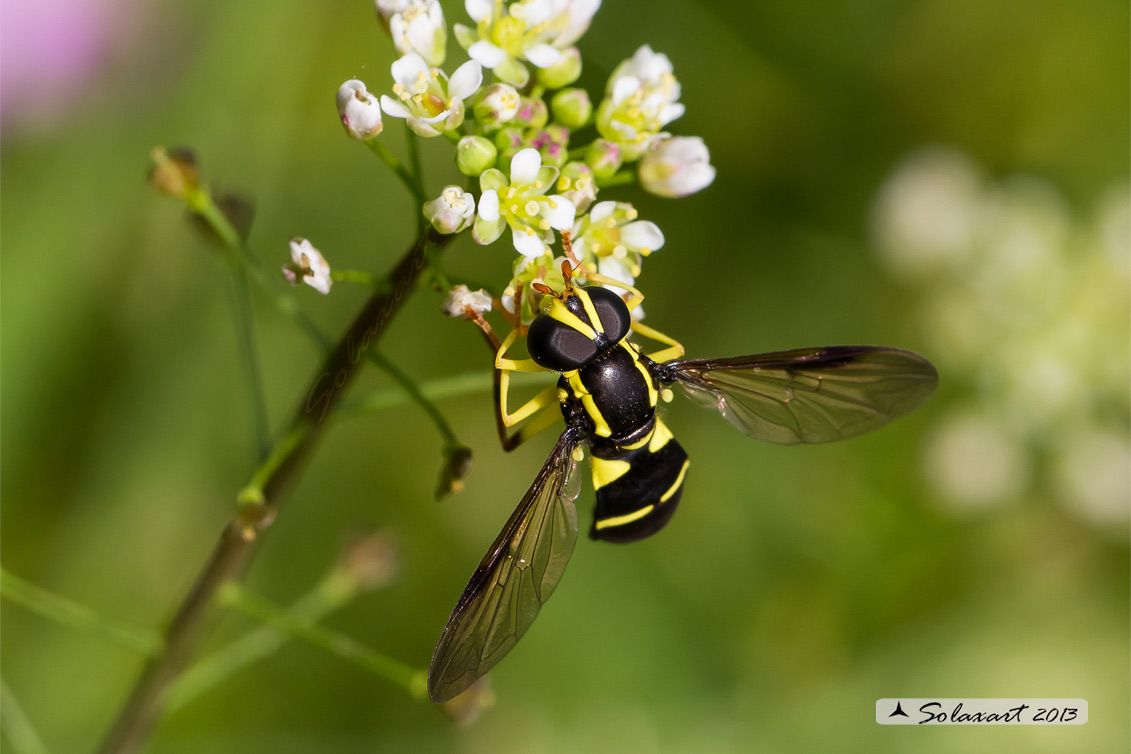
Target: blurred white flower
<point>641,98</point>
<point>1093,474</point>
<point>452,211</point>
<point>359,110</point>
<point>460,297</point>
<point>677,167</point>
<point>521,204</point>
<point>430,101</point>
<point>534,31</point>
<point>308,265</point>
<point>416,26</point>
<point>613,237</point>
<point>926,214</point>
<point>973,462</point>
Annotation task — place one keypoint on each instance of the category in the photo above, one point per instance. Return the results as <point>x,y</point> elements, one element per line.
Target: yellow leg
<point>632,302</point>
<point>545,400</point>
<point>674,350</point>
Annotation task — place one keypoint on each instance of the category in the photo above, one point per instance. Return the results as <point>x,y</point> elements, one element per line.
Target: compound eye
<point>615,318</point>
<point>557,346</point>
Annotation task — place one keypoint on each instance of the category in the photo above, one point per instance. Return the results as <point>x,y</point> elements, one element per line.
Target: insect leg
<point>546,399</point>
<point>674,350</point>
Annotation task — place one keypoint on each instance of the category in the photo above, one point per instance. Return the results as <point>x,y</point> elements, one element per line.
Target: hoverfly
<point>608,391</point>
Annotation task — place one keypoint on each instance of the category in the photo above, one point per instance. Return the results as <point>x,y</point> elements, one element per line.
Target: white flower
<point>460,297</point>
<point>521,204</point>
<point>642,97</point>
<point>427,98</point>
<point>359,110</point>
<point>535,31</point>
<point>452,211</point>
<point>677,167</point>
<point>612,236</point>
<point>308,264</point>
<point>416,26</point>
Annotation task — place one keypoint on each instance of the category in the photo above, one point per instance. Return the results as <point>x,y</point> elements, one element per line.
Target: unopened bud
<point>604,157</point>
<point>532,113</point>
<point>564,72</point>
<point>173,172</point>
<point>457,463</point>
<point>497,105</point>
<point>572,107</point>
<point>474,154</point>
<point>359,110</point>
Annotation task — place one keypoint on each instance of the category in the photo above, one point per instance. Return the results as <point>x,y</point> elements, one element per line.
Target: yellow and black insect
<point>608,391</point>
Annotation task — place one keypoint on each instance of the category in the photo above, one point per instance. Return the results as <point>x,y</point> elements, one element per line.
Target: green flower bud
<point>562,73</point>
<point>496,105</point>
<point>532,113</point>
<point>604,157</point>
<point>509,138</point>
<point>555,151</point>
<point>559,134</point>
<point>572,107</point>
<point>474,154</point>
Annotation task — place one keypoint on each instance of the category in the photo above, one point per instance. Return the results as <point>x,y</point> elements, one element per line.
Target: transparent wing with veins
<point>808,395</point>
<point>514,579</point>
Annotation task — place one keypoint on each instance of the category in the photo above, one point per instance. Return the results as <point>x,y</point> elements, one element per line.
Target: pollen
<point>666,395</point>
<point>544,224</point>
<point>537,184</point>
<point>563,184</point>
<point>610,223</point>
<point>632,214</point>
<point>645,250</point>
<point>511,192</point>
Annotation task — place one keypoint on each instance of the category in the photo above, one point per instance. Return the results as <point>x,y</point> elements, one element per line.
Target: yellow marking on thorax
<point>678,481</point>
<point>607,471</point>
<point>653,394</point>
<point>660,436</point>
<point>601,427</point>
<point>627,518</point>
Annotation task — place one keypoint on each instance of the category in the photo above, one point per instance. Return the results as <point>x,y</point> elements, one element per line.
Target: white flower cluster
<point>516,134</point>
<point>1029,303</point>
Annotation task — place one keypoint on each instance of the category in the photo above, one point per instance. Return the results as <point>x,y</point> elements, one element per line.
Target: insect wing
<point>514,580</point>
<point>809,395</point>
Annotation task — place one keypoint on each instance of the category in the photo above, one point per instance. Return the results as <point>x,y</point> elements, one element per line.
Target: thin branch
<point>249,355</point>
<point>260,503</point>
<point>414,680</point>
<point>73,615</point>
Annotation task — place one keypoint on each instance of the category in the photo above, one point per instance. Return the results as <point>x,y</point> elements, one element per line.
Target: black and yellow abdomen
<point>638,485</point>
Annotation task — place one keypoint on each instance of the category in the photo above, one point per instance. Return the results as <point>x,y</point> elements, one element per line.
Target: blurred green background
<point>795,587</point>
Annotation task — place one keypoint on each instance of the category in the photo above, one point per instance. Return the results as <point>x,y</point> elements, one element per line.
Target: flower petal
<point>479,10</point>
<point>408,70</point>
<point>559,212</point>
<point>525,166</point>
<point>611,267</point>
<point>623,88</point>
<point>486,54</point>
<point>489,205</point>
<point>394,108</point>
<point>601,211</point>
<point>527,242</point>
<point>465,80</point>
<point>420,128</point>
<point>642,236</point>
<point>542,55</point>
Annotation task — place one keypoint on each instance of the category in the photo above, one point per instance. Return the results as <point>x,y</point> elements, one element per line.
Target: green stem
<point>414,392</point>
<point>249,353</point>
<point>622,178</point>
<point>17,727</point>
<point>239,539</point>
<point>201,203</point>
<point>413,146</point>
<point>361,278</point>
<point>412,679</point>
<point>411,182</point>
<point>75,616</point>
<point>258,644</point>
